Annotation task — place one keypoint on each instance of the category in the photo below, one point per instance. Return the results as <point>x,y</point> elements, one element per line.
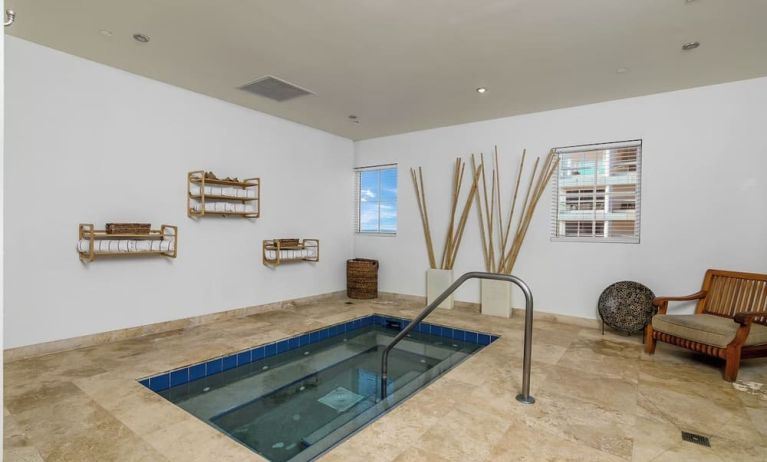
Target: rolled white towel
<point>209,190</point>
<point>242,193</point>
<point>84,245</point>
<point>126,245</point>
<point>251,193</point>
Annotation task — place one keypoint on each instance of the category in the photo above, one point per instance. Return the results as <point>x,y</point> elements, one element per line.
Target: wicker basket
<point>361,278</point>
<point>128,228</point>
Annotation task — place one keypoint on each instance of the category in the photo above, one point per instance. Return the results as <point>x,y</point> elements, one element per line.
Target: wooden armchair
<point>730,320</point>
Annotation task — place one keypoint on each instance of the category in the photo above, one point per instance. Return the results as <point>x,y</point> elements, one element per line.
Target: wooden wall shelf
<point>279,251</point>
<point>211,196</point>
<point>93,243</point>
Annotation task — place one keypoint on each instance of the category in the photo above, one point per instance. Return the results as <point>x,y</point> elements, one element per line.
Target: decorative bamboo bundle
<point>454,233</point>
<point>500,253</point>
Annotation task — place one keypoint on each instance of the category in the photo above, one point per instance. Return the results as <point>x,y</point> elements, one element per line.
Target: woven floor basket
<point>361,278</point>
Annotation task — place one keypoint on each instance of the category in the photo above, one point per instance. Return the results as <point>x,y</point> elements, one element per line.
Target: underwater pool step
<point>346,416</point>
<point>221,400</point>
<point>326,437</point>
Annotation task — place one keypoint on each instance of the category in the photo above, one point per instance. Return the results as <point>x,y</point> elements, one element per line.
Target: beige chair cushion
<point>706,328</point>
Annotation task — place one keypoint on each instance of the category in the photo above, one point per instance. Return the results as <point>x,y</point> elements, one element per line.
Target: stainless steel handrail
<point>524,396</point>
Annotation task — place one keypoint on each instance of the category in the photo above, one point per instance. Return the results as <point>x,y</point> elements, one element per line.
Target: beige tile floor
<point>599,398</point>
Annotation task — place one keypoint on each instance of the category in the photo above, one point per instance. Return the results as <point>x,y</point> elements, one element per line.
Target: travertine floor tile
<point>599,398</point>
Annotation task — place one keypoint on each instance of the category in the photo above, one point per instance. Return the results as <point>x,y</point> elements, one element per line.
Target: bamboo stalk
<point>490,226</point>
<point>481,219</point>
<point>420,205</point>
<point>432,260</point>
<point>523,214</point>
<point>543,178</point>
<point>464,217</point>
<point>490,246</point>
<point>498,202</point>
<point>421,199</point>
<point>453,206</point>
<point>505,240</point>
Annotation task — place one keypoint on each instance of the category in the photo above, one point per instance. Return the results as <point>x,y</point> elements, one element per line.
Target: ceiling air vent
<point>274,88</point>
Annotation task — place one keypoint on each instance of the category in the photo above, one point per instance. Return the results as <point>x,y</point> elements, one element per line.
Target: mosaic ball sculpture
<point>627,306</point>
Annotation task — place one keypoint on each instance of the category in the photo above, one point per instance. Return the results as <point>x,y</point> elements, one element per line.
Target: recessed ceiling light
<point>143,38</point>
<point>105,33</point>
<point>690,46</point>
<point>622,70</point>
<point>481,90</point>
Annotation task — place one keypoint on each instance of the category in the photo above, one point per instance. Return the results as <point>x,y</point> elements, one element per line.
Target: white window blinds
<point>597,193</point>
<point>375,199</point>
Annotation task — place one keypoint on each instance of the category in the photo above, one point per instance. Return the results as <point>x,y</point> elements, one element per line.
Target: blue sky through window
<point>378,200</point>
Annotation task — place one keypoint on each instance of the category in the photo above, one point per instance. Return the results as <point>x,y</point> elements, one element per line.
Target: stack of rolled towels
<point>224,207</point>
<point>166,244</point>
<point>292,254</point>
<point>225,191</point>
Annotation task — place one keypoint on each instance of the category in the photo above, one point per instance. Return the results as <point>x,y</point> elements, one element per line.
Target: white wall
<point>88,143</point>
<point>704,197</point>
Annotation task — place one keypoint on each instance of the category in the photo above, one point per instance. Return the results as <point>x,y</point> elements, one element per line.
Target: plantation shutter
<point>597,193</point>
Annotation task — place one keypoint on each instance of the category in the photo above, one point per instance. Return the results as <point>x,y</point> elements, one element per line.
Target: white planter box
<point>496,298</point>
<point>437,280</point>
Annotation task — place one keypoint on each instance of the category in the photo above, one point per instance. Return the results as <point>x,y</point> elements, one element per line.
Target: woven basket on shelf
<point>128,228</point>
<point>361,278</point>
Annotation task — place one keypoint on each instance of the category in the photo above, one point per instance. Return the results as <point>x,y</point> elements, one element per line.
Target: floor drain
<point>349,303</point>
<point>695,438</point>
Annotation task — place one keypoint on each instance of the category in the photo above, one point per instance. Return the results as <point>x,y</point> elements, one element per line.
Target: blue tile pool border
<point>182,375</point>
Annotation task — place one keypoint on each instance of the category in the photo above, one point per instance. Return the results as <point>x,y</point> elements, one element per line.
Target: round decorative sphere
<point>627,306</point>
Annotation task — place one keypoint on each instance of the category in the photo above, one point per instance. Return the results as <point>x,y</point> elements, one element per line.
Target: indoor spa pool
<point>293,399</point>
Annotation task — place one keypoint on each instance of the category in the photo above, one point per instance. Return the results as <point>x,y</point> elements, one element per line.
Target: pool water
<point>298,404</point>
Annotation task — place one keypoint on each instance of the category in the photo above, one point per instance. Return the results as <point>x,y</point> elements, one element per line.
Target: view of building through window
<point>377,200</point>
<point>597,191</point>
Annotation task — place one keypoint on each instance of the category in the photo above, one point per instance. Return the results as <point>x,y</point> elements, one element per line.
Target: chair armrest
<point>662,302</point>
<point>745,317</point>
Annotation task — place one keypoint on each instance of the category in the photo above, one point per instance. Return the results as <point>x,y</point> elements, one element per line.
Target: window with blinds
<point>375,199</point>
<point>597,191</point>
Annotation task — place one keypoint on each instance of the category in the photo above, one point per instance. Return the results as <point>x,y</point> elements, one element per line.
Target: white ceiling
<point>404,65</point>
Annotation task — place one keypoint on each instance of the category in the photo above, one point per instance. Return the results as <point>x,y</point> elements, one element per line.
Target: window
<point>376,200</point>
<point>596,193</point>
